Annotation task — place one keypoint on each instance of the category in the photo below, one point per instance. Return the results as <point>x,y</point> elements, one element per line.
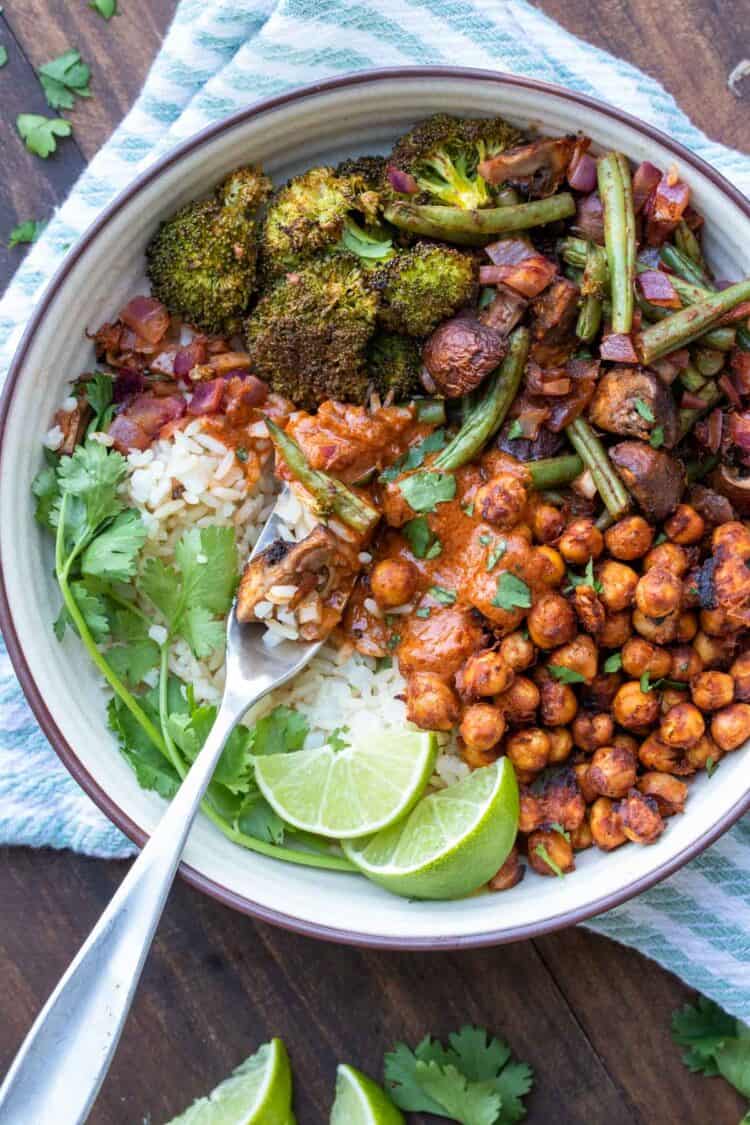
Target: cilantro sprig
<point>716,1043</point>
<point>586,579</point>
<point>474,1080</point>
<point>25,232</point>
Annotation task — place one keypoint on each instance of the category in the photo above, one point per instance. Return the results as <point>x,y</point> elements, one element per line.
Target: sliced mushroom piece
<point>655,479</point>
<point>504,311</point>
<point>539,167</point>
<point>734,486</point>
<point>633,402</point>
<point>460,354</point>
<point>555,314</point>
<point>73,424</point>
<point>712,505</point>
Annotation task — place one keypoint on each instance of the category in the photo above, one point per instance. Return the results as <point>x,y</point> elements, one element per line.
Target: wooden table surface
<point>591,1017</point>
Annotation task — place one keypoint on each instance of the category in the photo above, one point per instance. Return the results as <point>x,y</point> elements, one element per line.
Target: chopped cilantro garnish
<point>711,766</point>
<point>565,675</point>
<point>586,579</point>
<point>423,611</point>
<point>544,855</point>
<point>440,594</point>
<point>496,553</point>
<point>423,542</point>
<point>656,440</point>
<point>425,490</point>
<point>414,457</point>
<point>515,430</point>
<point>613,663</point>
<point>393,642</point>
<point>28,231</point>
<point>40,134</point>
<point>557,827</point>
<point>512,592</point>
<point>644,410</point>
<point>65,78</point>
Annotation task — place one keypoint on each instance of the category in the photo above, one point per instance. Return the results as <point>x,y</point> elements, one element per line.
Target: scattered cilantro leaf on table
<point>105,8</point>
<point>3,55</point>
<point>40,134</point>
<point>27,231</point>
<point>471,1103</point>
<point>65,78</point>
<point>703,1029</point>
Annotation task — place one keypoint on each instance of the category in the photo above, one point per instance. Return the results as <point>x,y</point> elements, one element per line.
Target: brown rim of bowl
<point>33,693</point>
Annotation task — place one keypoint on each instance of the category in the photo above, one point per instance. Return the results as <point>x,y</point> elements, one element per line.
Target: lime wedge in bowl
<point>452,842</point>
<point>360,1101</point>
<point>258,1092</point>
<point>353,791</point>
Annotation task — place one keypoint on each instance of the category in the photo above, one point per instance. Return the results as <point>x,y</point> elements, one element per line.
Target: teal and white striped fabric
<point>219,56</point>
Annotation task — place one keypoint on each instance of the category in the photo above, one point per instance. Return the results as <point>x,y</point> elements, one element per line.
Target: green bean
<point>488,415</point>
<point>708,361</point>
<point>687,242</point>
<point>691,323</point>
<point>330,495</point>
<point>710,393</point>
<point>473,228</point>
<point>612,491</point>
<point>430,410</point>
<point>722,339</point>
<point>697,470</point>
<point>551,472</point>
<point>691,378</point>
<point>615,190</point>
<point>593,288</point>
<point>683,266</point>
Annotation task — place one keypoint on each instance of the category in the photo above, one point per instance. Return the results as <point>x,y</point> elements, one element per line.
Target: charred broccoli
<point>393,364</point>
<point>201,261</point>
<point>309,332</point>
<point>370,169</point>
<point>422,286</point>
<point>321,210</point>
<point>442,154</point>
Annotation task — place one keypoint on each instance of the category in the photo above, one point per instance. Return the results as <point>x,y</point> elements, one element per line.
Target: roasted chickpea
<point>732,537</point>
<point>687,627</point>
<point>730,727</point>
<point>582,540</point>
<point>476,759</point>
<point>530,810</point>
<point>393,582</point>
<point>528,749</point>
<point>430,702</point>
<point>562,800</point>
<point>658,630</point>
<point>551,621</point>
<point>686,663</point>
<point>550,565</point>
<point>484,673</point>
<point>550,853</point>
<point>658,593</point>
<point>617,628</point>
<point>668,556</point>
<point>682,726</point>
<point>547,523</point>
<point>482,726</point>
<point>612,771</point>
<point>581,837</point>
<point>716,623</point>
<point>600,693</point>
<point>639,656</point>
<point>580,655</point>
<point>591,731</point>
<point>510,874</point>
<point>618,583</point>
<point>685,526</point>
<point>669,792</point>
<point>712,690</point>
<point>630,538</point>
<point>581,771</point>
<point>654,754</point>
<point>517,651</point>
<point>670,697</point>
<point>740,673</point>
<point>604,822</point>
<point>558,704</point>
<point>715,652</point>
<point>519,701</point>
<point>640,818</point>
<point>690,588</point>
<point>588,609</point>
<point>635,709</point>
<point>560,745</point>
<point>698,756</point>
<point>626,741</point>
<point>501,500</point>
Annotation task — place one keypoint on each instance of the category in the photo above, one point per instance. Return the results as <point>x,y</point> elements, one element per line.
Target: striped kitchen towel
<point>219,56</point>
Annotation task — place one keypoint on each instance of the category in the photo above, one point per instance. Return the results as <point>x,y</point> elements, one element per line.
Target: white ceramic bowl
<point>324,123</point>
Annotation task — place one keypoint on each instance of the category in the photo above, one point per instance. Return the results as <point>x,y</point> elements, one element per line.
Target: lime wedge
<point>258,1092</point>
<point>453,841</point>
<point>360,1101</point>
<point>354,791</point>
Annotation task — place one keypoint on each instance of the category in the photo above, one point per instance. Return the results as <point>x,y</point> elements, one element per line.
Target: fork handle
<point>61,1064</point>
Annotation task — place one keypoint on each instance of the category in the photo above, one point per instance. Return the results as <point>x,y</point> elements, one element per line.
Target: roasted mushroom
<point>655,478</point>
<point>555,314</point>
<point>460,354</point>
<point>538,168</point>
<point>633,402</point>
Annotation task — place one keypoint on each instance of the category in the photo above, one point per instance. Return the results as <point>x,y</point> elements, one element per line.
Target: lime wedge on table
<point>360,1101</point>
<point>258,1092</point>
<point>354,791</point>
<point>453,841</point>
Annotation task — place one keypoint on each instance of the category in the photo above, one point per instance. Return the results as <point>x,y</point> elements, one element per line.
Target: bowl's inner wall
<point>322,128</point>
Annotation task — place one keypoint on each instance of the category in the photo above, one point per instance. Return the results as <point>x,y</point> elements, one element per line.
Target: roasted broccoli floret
<point>370,169</point>
<point>442,154</point>
<point>321,210</point>
<point>393,364</point>
<point>201,261</point>
<point>308,334</point>
<point>423,286</point>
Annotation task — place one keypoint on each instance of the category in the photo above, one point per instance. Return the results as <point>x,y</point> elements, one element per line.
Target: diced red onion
<point>531,420</point>
<point>730,391</point>
<point>151,413</point>
<point>509,251</point>
<point>714,428</point>
<point>248,388</point>
<point>163,362</point>
<point>128,382</point>
<point>402,182</point>
<point>582,171</point>
<point>658,289</point>
<point>127,434</point>
<point>207,397</point>
<point>147,317</point>
<point>740,365</point>
<point>190,356</point>
<point>739,431</point>
<point>529,277</point>
<point>665,209</point>
<point>589,220</point>
<point>645,179</point>
<point>691,401</point>
<point>618,348</point>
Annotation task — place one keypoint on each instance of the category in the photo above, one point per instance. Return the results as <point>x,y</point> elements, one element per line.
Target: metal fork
<point>61,1065</point>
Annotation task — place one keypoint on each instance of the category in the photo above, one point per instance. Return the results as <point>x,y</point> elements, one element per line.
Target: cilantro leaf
<point>190,731</point>
<point>512,1083</point>
<point>544,855</point>
<point>512,592</point>
<point>414,457</point>
<point>336,739</point>
<point>112,554</point>
<point>136,654</point>
<point>515,430</point>
<point>703,1028</point>
<point>586,579</point>
<point>3,55</point>
<point>733,1062</point>
<point>424,490</point>
<point>613,663</point>
<point>39,133</point>
<point>495,553</point>
<point>644,410</point>
<point>46,490</point>
<point>423,542</point>
<point>480,1055</point>
<point>471,1103</point>
<point>99,392</point>
<point>440,594</point>
<point>565,675</point>
<point>105,8</point>
<point>401,1076</point>
<point>711,767</point>
<point>93,608</point>
<point>63,79</point>
<point>27,231</point>
<point>151,768</point>
<point>256,818</point>
<point>280,731</point>
<point>656,440</point>
<point>423,611</point>
<point>90,478</point>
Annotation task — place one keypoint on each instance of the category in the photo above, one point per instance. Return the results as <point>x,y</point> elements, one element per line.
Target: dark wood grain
<point>591,1017</point>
